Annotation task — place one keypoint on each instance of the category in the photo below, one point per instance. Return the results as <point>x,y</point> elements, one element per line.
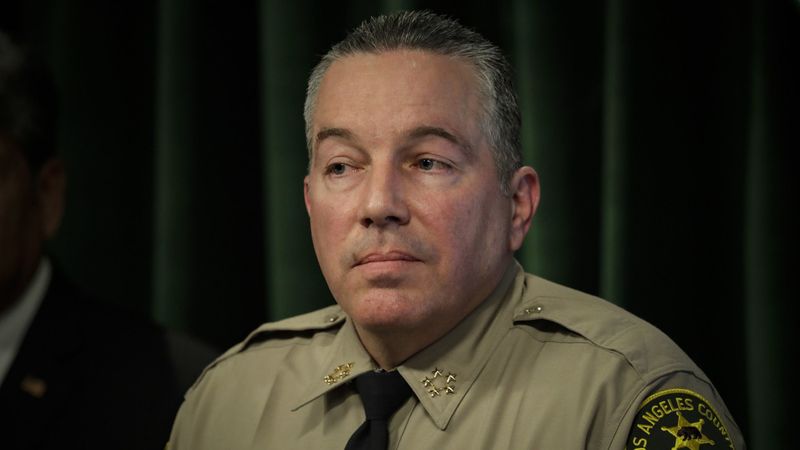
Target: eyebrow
<point>424,131</point>
<point>326,133</point>
<point>415,133</point>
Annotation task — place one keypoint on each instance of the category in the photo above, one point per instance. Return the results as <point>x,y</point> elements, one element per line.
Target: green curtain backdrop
<point>662,131</point>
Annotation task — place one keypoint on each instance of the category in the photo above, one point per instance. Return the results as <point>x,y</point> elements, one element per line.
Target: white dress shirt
<point>14,323</point>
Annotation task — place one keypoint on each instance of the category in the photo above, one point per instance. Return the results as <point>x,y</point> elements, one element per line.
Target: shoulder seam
<point>327,318</point>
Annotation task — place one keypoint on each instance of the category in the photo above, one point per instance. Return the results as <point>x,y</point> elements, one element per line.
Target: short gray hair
<point>424,30</point>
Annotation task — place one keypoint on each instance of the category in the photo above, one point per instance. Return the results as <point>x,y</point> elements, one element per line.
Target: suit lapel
<point>40,379</point>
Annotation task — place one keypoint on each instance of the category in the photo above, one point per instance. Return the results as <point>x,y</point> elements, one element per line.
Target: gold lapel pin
<point>440,383</point>
<point>340,372</point>
<point>34,386</point>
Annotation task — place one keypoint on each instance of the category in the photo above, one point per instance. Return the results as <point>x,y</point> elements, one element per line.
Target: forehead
<point>398,90</point>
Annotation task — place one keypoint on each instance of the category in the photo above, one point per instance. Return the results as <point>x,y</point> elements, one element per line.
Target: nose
<point>384,202</point>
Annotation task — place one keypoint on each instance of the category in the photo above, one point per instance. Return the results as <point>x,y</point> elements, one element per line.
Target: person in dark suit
<point>74,373</point>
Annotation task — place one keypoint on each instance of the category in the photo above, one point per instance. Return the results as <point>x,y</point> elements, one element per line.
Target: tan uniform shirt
<point>536,366</point>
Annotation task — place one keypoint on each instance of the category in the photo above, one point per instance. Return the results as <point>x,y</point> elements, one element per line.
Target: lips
<point>384,257</point>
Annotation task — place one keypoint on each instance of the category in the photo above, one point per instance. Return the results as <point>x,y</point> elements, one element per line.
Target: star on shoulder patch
<point>677,418</point>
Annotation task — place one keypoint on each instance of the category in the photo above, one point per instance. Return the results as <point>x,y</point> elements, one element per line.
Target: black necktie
<point>382,393</point>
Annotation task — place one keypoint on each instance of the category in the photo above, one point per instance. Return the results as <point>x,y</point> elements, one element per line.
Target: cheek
<point>330,224</point>
<point>470,228</point>
<point>454,222</point>
<point>321,227</point>
<point>13,212</point>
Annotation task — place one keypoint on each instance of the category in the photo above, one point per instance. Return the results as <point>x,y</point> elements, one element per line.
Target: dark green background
<point>662,131</point>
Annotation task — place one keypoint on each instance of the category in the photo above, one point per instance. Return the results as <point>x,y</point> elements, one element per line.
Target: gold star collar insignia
<point>341,372</point>
<point>440,383</point>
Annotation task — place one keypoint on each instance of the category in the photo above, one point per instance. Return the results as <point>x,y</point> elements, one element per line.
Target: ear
<point>305,195</point>
<point>51,185</point>
<point>525,200</point>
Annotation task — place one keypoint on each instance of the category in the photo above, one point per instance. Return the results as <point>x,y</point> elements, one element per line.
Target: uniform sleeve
<point>678,410</point>
<point>180,427</point>
<point>209,417</point>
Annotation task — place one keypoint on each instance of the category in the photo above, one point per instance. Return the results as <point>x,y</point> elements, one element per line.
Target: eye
<point>426,164</point>
<point>336,169</point>
<point>430,165</point>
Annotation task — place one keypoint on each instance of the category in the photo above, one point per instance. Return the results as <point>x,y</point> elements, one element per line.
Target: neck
<point>389,350</point>
<point>391,347</point>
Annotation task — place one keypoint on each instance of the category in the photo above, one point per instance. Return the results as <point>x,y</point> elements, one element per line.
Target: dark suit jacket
<point>87,376</point>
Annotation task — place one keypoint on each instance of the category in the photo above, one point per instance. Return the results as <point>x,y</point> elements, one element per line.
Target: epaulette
<point>315,321</point>
<point>603,323</point>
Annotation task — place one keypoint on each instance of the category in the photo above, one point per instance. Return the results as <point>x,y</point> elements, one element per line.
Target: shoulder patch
<point>673,419</point>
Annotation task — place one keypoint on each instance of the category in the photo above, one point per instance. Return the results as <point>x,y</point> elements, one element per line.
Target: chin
<point>385,311</point>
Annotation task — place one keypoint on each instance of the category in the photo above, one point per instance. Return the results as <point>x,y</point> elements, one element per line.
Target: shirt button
<point>331,318</point>
<point>534,310</point>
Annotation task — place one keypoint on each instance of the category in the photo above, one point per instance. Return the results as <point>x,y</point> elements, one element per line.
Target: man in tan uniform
<point>417,200</point>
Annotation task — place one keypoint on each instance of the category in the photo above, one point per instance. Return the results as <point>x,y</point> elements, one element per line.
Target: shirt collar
<point>441,374</point>
<point>14,322</point>
<point>347,360</point>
